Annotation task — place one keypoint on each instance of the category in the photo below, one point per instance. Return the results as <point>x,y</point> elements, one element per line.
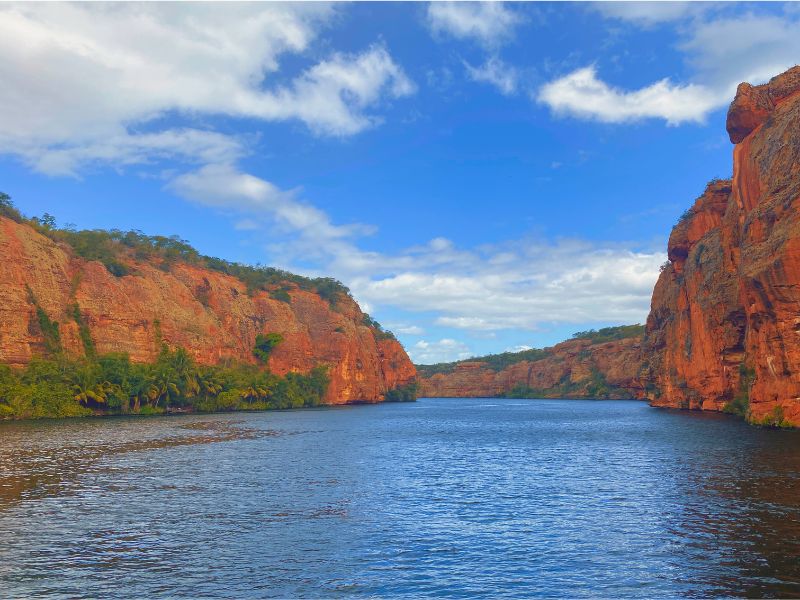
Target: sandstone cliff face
<point>573,369</point>
<point>724,326</point>
<point>207,312</point>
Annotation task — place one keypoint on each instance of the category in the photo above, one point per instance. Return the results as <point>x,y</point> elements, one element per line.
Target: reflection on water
<point>42,459</point>
<point>456,497</point>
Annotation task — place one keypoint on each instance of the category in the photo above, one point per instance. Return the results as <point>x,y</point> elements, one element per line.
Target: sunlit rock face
<point>574,369</point>
<point>207,312</point>
<point>725,316</point>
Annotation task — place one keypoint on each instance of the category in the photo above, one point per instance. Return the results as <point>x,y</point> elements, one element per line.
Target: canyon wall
<point>577,368</point>
<point>724,327</point>
<point>207,312</point>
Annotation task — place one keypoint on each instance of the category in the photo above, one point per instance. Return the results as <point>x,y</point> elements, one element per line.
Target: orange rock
<point>207,312</point>
<point>569,370</point>
<point>728,304</point>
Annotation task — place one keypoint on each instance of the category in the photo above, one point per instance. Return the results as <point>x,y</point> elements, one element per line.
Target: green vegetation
<point>112,384</point>
<point>595,387</point>
<point>281,294</point>
<point>119,250</point>
<point>48,327</point>
<point>775,419</point>
<point>380,332</point>
<point>610,334</point>
<point>740,405</point>
<point>265,344</point>
<point>406,393</point>
<point>83,330</point>
<point>498,362</point>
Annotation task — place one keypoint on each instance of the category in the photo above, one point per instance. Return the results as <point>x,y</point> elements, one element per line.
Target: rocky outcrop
<point>209,313</point>
<point>724,326</point>
<point>576,368</point>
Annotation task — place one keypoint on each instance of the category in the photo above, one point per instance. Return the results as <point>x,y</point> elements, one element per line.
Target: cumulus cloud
<point>405,328</point>
<point>532,283</point>
<point>494,72</point>
<point>444,350</point>
<point>721,50</point>
<point>489,23</point>
<point>107,77</point>
<point>649,13</point>
<point>225,187</point>
<point>523,284</point>
<point>753,48</point>
<point>582,94</point>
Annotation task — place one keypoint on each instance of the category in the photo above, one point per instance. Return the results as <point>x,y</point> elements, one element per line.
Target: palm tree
<point>87,394</point>
<point>255,392</point>
<point>208,384</point>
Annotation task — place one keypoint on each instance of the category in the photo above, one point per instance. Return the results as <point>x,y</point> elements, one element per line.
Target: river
<point>446,497</point>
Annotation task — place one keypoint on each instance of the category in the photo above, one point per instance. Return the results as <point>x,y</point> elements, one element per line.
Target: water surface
<point>440,497</point>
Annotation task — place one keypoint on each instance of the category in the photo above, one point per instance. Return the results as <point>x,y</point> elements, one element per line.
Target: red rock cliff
<point>724,326</point>
<point>573,369</point>
<point>205,311</point>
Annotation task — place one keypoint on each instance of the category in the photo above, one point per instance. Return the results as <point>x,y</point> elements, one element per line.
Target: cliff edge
<point>134,304</point>
<point>724,327</point>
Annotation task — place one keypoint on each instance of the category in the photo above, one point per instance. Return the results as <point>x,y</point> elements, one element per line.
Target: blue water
<point>437,498</point>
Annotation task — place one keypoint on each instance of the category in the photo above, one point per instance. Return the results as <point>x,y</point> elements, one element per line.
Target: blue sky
<point>484,177</point>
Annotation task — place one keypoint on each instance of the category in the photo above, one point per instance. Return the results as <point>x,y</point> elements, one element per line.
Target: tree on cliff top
<point>7,208</point>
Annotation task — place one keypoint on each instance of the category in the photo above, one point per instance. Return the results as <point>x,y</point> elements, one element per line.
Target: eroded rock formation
<point>724,329</point>
<point>576,368</point>
<point>209,313</point>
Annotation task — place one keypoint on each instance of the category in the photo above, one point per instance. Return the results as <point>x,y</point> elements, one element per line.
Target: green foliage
<point>7,209</point>
<point>610,334</point>
<point>405,393</point>
<point>740,404</point>
<point>117,249</point>
<point>94,244</point>
<point>378,330</point>
<point>112,384</point>
<point>282,295</point>
<point>498,362</point>
<point>48,327</point>
<point>83,330</point>
<point>776,419</point>
<point>265,344</point>
<point>522,391</point>
<point>685,215</point>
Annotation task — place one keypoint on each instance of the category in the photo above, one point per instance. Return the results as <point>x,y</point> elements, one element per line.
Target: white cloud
<point>489,23</point>
<point>750,48</point>
<point>93,83</point>
<point>582,94</point>
<point>649,13</point>
<point>225,187</point>
<point>405,329</point>
<point>535,283</point>
<point>330,96</point>
<point>520,348</point>
<point>444,350</point>
<point>722,50</point>
<point>494,72</point>
<point>516,285</point>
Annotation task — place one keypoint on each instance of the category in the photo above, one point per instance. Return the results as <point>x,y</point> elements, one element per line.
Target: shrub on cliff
<point>7,209</point>
<point>405,393</point>
<point>265,344</point>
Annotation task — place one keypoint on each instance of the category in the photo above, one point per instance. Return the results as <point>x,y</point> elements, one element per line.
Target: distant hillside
<point>601,363</point>
<point>69,296</point>
<point>498,362</point>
